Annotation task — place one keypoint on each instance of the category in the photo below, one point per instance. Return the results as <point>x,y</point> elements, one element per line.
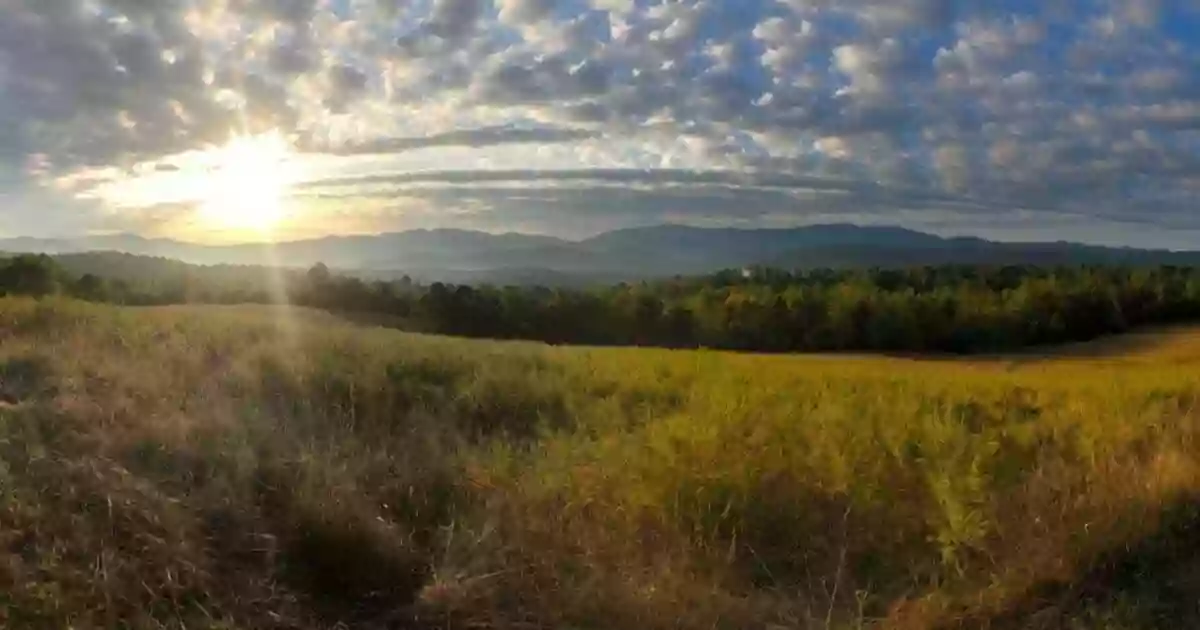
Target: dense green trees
<point>29,274</point>
<point>949,309</point>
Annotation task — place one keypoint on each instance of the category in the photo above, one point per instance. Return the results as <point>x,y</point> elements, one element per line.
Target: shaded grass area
<point>236,469</point>
<point>1151,583</point>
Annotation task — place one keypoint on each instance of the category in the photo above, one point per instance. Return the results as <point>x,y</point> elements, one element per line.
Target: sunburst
<point>245,183</point>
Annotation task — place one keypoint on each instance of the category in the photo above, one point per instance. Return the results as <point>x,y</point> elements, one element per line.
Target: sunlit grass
<point>183,465</point>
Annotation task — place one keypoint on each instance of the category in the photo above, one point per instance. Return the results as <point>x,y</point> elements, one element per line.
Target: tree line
<point>132,280</point>
<point>959,309</point>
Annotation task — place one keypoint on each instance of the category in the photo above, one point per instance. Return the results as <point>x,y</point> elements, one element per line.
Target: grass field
<point>245,468</point>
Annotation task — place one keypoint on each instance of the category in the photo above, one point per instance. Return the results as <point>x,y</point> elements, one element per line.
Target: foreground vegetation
<point>255,467</point>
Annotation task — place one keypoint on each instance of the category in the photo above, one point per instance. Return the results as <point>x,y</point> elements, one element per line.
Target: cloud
<point>480,137</point>
<point>525,11</point>
<point>454,19</point>
<point>565,195</point>
<point>1088,109</point>
<point>578,204</point>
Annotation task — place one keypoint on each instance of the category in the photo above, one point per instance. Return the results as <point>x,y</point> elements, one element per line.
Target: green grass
<point>241,468</point>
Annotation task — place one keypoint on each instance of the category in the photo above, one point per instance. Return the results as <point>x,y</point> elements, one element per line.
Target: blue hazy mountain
<point>664,250</point>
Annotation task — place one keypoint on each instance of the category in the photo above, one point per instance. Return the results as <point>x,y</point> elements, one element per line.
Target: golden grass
<point>212,468</point>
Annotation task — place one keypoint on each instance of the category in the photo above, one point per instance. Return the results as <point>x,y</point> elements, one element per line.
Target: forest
<point>954,309</point>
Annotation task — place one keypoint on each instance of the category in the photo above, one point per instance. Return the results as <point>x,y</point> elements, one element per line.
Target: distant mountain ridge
<point>626,254</point>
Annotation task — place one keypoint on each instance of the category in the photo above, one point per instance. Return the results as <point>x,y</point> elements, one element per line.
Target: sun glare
<point>245,184</point>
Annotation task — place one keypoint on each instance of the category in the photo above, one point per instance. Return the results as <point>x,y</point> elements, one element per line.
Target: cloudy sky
<point>1013,119</point>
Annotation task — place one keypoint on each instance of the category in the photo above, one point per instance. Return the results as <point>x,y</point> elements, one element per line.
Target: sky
<point>226,120</point>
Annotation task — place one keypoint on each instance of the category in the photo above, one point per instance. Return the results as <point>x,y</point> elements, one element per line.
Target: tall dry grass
<point>215,468</point>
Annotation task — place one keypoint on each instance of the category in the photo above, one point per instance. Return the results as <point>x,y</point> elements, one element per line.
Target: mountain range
<point>627,254</point>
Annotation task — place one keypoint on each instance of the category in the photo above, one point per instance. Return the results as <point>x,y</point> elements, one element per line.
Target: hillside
<point>470,257</point>
<point>254,467</point>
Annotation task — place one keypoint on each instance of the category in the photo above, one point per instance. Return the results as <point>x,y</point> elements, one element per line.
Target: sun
<point>245,184</point>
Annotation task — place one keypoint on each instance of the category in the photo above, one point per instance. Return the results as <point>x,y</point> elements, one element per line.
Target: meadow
<point>240,468</point>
